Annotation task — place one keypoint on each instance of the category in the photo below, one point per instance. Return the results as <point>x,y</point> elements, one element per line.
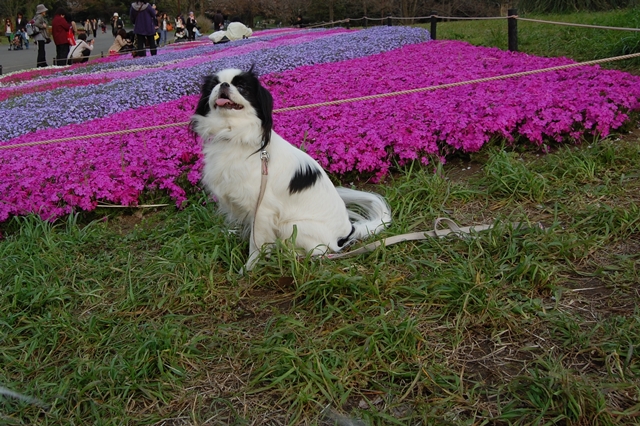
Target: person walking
<point>88,27</point>
<point>60,31</point>
<point>143,17</point>
<point>42,37</point>
<point>8,31</point>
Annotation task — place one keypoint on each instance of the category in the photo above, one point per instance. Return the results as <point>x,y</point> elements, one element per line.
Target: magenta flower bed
<point>558,106</point>
<point>41,86</point>
<point>53,180</point>
<point>368,136</point>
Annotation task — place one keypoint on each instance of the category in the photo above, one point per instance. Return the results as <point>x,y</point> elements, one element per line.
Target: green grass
<point>581,44</point>
<point>132,319</point>
<point>141,317</point>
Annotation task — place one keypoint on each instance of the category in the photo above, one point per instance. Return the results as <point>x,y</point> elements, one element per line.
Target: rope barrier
<point>326,23</point>
<point>95,135</point>
<point>342,101</point>
<point>578,25</point>
<point>479,18</point>
<point>400,18</point>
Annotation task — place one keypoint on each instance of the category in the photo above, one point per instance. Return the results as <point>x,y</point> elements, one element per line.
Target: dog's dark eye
<point>242,87</point>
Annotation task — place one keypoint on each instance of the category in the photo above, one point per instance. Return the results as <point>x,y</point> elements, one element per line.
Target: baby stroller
<point>16,42</point>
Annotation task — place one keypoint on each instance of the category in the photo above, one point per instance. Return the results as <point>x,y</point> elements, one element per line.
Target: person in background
<point>88,27</point>
<point>8,31</point>
<point>180,34</point>
<point>163,29</point>
<point>21,24</point>
<point>121,44</point>
<point>156,36</point>
<point>43,34</point>
<point>143,17</point>
<point>190,24</point>
<point>94,27</point>
<point>218,21</point>
<point>116,24</point>
<point>301,22</point>
<point>236,30</point>
<point>81,51</point>
<point>60,32</point>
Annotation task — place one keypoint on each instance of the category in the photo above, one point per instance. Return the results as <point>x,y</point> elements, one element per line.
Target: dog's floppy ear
<point>203,107</point>
<point>265,112</point>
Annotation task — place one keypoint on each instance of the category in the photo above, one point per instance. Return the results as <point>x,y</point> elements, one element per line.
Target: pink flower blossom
<point>365,136</point>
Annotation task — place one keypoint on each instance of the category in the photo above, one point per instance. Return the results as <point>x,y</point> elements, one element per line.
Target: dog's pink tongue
<point>222,101</point>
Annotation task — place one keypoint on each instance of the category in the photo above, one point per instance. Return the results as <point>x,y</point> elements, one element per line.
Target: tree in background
<point>286,11</point>
<point>11,8</point>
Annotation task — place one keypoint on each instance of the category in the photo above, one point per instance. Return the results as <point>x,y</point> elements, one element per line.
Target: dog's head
<point>234,99</point>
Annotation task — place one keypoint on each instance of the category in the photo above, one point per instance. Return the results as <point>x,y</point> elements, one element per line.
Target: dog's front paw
<point>252,261</point>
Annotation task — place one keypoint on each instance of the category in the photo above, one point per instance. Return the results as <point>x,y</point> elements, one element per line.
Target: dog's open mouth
<point>225,102</point>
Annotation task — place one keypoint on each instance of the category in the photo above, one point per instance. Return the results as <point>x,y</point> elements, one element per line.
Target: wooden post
<point>389,21</point>
<point>513,29</point>
<point>434,22</point>
<point>365,22</point>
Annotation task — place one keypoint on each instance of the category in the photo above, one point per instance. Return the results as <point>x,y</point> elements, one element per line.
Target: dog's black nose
<point>224,85</point>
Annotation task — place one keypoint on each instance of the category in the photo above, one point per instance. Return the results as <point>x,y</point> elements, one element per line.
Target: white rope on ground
<point>463,232</point>
<point>28,399</point>
<point>97,135</point>
<point>343,101</point>
<point>577,25</point>
<point>139,206</point>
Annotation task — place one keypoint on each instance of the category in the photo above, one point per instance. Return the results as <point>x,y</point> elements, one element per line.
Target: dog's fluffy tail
<point>369,212</point>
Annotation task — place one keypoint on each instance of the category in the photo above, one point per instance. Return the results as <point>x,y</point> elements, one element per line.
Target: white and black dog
<point>234,121</point>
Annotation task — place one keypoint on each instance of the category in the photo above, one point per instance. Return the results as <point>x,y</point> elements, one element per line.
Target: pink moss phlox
<point>52,180</point>
<point>359,136</point>
<point>45,85</point>
<point>366,136</point>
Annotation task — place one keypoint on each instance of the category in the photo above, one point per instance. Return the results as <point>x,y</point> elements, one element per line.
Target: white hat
<point>115,14</point>
<point>40,9</point>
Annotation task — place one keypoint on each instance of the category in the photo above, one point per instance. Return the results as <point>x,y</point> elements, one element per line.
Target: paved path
<point>18,60</point>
